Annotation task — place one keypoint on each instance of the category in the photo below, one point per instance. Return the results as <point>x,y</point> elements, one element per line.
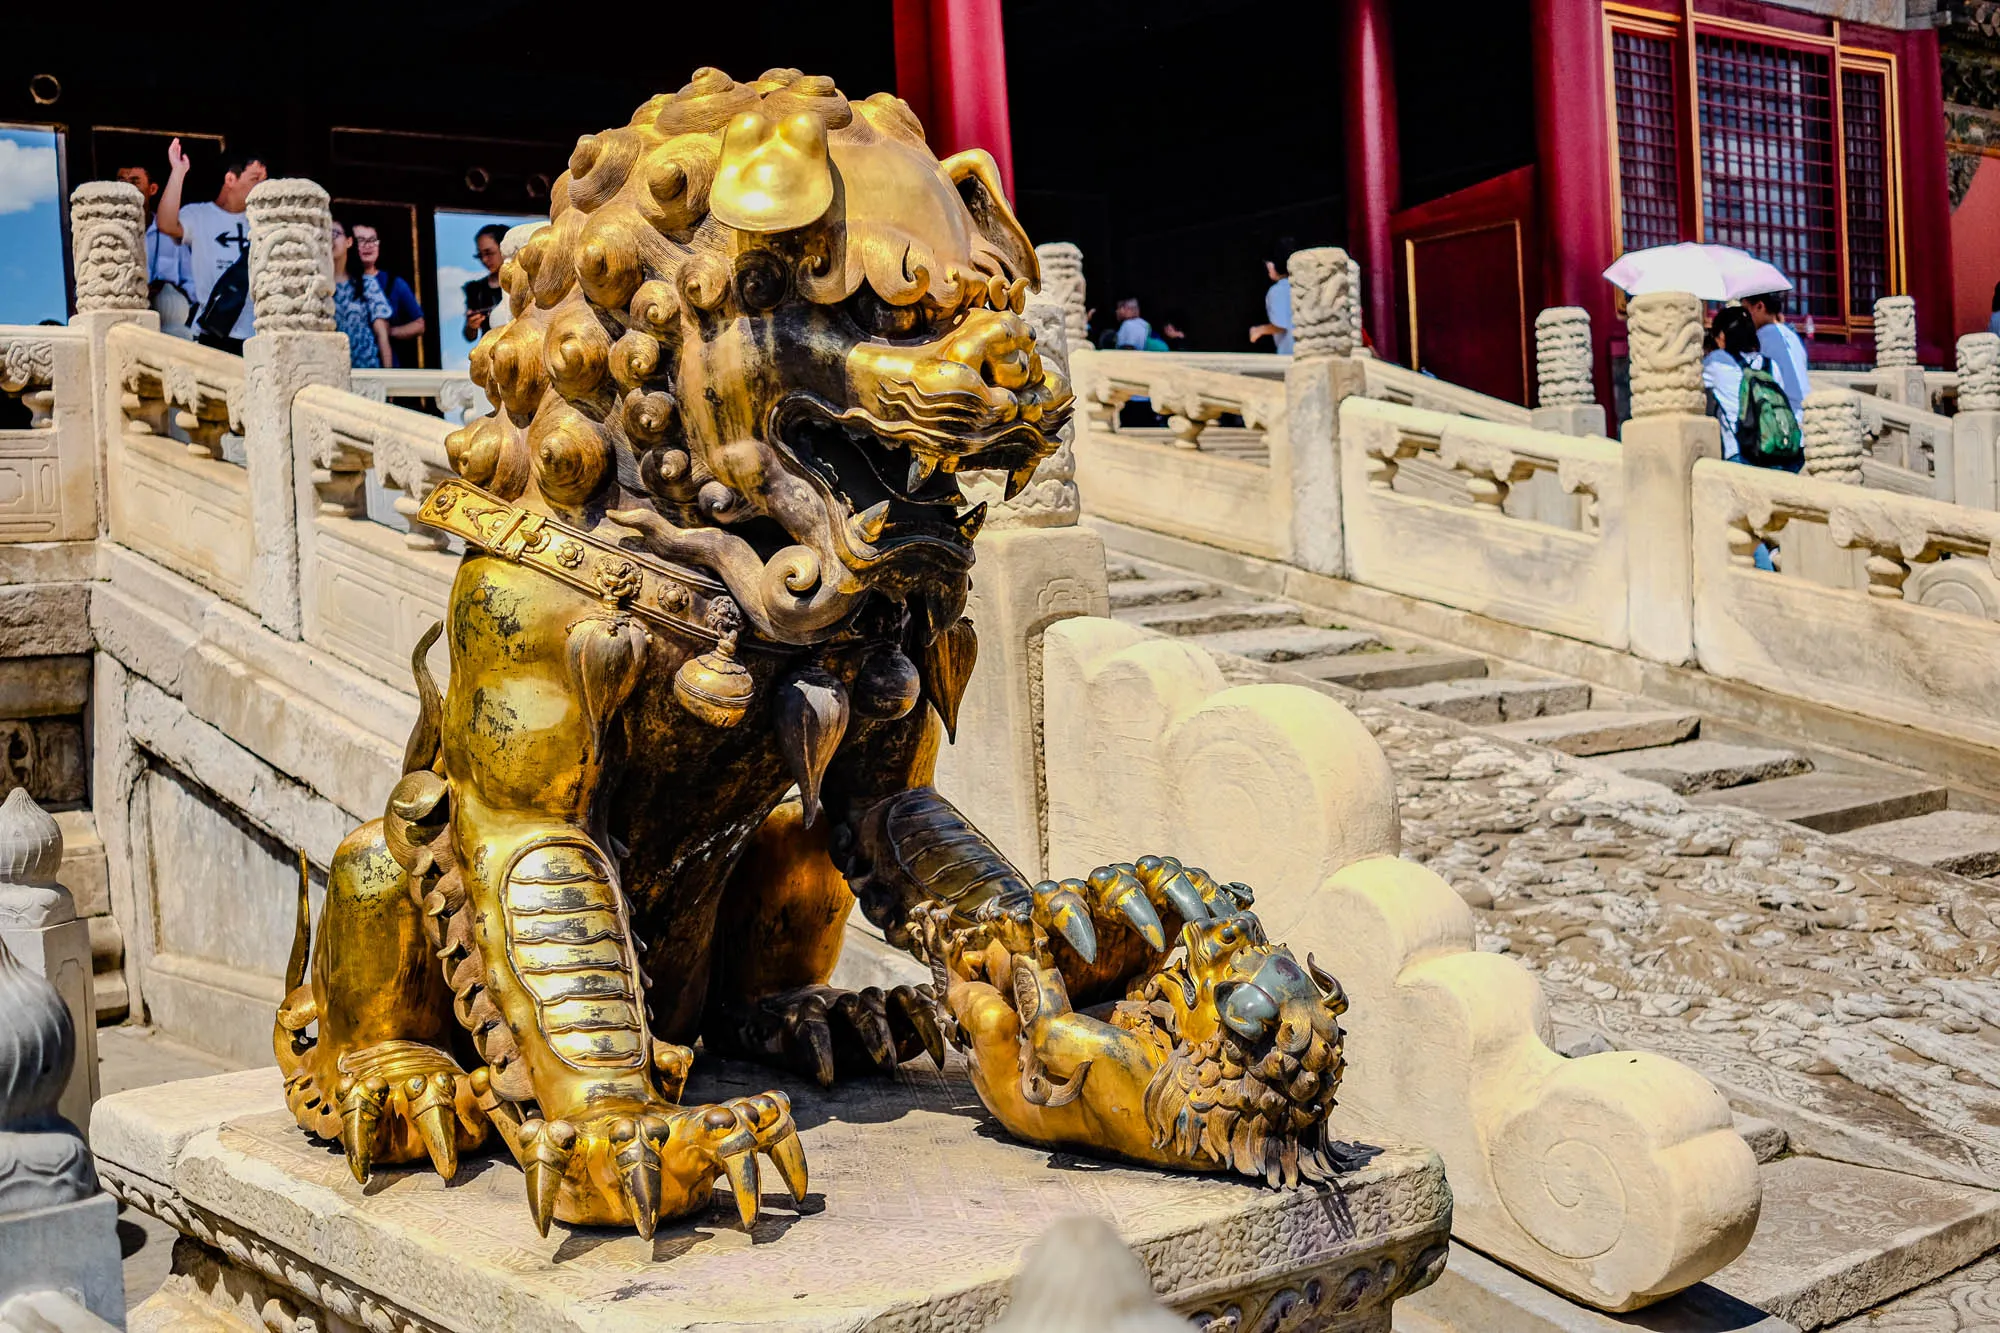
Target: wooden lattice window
<point>1769,184</point>
<point>1864,114</point>
<point>1649,185</point>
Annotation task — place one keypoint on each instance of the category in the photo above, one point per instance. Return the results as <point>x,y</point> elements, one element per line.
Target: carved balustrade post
<point>295,344</point>
<point>107,227</point>
<point>1836,437</point>
<point>1669,431</point>
<point>1975,430</point>
<point>1305,472</point>
<point>58,1231</point>
<point>1899,377</point>
<point>1565,389</point>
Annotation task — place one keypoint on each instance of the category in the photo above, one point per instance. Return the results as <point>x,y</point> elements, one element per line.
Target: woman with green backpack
<point>1758,424</point>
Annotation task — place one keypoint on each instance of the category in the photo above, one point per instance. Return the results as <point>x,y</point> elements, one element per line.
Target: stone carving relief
<point>107,221</point>
<point>1665,341</point>
<point>1965,586</point>
<point>1979,372</point>
<point>1836,437</point>
<point>1896,331</point>
<point>1062,285</point>
<point>1562,357</point>
<point>1354,304</point>
<point>1323,302</point>
<point>291,257</point>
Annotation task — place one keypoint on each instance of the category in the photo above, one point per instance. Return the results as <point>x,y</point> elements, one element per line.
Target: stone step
<point>1386,671</point>
<point>1156,592</point>
<point>1215,616</point>
<point>1835,1239</point>
<point>1603,730</point>
<point>1961,1302</point>
<point>109,996</point>
<point>1767,1139</point>
<point>83,870</point>
<point>1493,700</point>
<point>1288,643</point>
<point>1117,569</point>
<point>1958,841</point>
<point>1833,802</point>
<point>1698,766</point>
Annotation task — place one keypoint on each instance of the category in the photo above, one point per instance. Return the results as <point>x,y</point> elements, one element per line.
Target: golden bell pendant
<point>715,687</point>
<point>887,685</point>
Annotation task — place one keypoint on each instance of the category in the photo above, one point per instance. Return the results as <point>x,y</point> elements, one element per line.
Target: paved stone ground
<point>134,1057</point>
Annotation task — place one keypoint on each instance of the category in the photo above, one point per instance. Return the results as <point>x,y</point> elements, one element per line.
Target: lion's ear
<point>772,177</point>
<point>978,180</point>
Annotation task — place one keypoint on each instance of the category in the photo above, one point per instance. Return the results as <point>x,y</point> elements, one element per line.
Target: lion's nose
<point>1000,346</point>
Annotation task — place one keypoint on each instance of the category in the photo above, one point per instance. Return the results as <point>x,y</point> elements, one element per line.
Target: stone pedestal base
<point>918,1215</point>
<point>71,1248</point>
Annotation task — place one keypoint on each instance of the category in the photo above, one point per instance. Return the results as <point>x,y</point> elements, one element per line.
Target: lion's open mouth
<point>898,482</point>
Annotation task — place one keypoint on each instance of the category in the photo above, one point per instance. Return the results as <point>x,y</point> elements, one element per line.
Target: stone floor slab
<point>918,1215</point>
<point>1960,841</point>
<point>1595,731</point>
<point>1767,1138</point>
<point>1699,766</point>
<point>1494,700</point>
<point>1835,1239</point>
<point>1477,1295</point>
<point>1833,802</point>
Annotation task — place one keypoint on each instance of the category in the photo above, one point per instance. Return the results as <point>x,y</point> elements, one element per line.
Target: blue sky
<point>31,263</point>
<point>457,236</point>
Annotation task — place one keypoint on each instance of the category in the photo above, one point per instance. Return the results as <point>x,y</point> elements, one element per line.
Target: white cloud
<point>27,176</point>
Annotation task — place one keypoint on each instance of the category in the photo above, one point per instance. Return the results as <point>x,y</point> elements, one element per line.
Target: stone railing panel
<point>1239,498</point>
<point>368,592</point>
<point>1616,1178</point>
<point>170,496</point>
<point>453,391</point>
<point>48,472</point>
<point>1391,383</point>
<point>1899,648</point>
<point>1480,556</point>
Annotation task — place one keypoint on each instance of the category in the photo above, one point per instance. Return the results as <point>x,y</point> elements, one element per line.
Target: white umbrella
<point>1712,272</point>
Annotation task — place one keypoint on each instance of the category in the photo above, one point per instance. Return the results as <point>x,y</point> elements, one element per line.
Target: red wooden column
<point>951,67</point>
<point>1573,168</point>
<point>1374,163</point>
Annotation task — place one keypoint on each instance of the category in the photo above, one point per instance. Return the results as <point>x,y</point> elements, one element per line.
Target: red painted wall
<point>1975,242</point>
<point>1927,221</point>
<point>951,67</point>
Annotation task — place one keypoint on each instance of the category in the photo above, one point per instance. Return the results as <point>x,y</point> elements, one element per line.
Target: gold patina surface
<point>705,636</point>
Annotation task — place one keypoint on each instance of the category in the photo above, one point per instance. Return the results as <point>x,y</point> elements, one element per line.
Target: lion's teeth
<point>869,523</point>
<point>920,472</point>
<point>1018,480</point>
<point>972,521</point>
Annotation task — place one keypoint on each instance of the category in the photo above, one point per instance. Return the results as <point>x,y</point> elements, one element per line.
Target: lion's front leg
<point>536,935</point>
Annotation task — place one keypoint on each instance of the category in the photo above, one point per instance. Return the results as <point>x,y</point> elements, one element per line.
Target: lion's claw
<point>821,1031</point>
<point>639,1165</point>
<point>402,1101</point>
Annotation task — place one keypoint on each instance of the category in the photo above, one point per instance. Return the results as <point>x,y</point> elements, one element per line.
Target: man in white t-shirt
<point>216,234</point>
<point>1780,346</point>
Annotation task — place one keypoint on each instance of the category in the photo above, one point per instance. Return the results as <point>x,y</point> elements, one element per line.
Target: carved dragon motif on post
<point>716,550</point>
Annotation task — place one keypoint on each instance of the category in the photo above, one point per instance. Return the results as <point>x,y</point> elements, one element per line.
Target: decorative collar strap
<point>651,588</point>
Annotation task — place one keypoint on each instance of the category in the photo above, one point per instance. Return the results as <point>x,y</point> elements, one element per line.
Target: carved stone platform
<point>917,1218</point>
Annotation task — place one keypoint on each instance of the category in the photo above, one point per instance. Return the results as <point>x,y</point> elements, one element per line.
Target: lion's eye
<point>878,319</point>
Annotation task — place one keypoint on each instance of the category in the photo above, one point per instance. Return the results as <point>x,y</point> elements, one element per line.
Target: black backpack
<point>226,299</point>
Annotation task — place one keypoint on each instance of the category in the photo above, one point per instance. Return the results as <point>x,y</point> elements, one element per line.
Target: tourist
<point>1133,330</point>
<point>218,241</point>
<point>1277,301</point>
<point>406,316</point>
<point>1780,346</point>
<point>1730,344</point>
<point>485,303</point>
<point>359,309</point>
<point>168,283</point>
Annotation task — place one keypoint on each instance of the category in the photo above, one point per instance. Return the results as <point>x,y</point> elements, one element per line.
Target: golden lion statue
<point>716,550</point>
